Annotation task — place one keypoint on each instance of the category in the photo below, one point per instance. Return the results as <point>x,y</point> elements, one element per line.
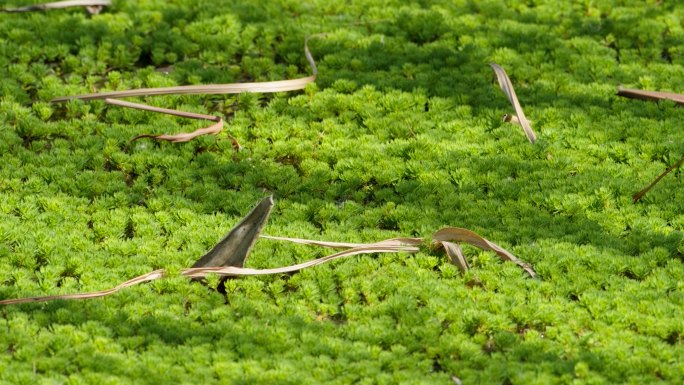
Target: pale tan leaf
<point>651,95</point>
<point>210,89</point>
<point>93,6</point>
<point>185,136</point>
<point>507,88</point>
<point>145,107</point>
<point>458,234</point>
<point>455,254</point>
<point>140,279</point>
<point>407,245</point>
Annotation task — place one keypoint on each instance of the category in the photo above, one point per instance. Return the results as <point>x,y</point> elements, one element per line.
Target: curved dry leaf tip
<point>457,234</point>
<point>185,136</point>
<point>507,88</point>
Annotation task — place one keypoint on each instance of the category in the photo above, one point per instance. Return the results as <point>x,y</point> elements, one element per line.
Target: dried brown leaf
<point>185,136</point>
<point>93,6</point>
<point>235,247</point>
<point>458,234</point>
<point>650,95</point>
<point>95,294</point>
<point>210,89</point>
<point>455,254</point>
<point>507,88</point>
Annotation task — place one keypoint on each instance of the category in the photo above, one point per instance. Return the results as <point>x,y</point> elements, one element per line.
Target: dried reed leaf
<point>228,256</point>
<point>210,89</point>
<point>455,254</point>
<point>185,136</point>
<point>646,189</point>
<point>145,107</point>
<point>650,95</point>
<point>235,247</point>
<point>409,245</point>
<point>95,294</point>
<point>458,234</point>
<point>93,6</point>
<point>507,88</point>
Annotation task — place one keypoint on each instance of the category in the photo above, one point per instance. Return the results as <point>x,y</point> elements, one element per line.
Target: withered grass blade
<point>185,136</point>
<point>95,294</point>
<point>651,95</point>
<point>61,4</point>
<point>646,189</point>
<point>507,88</point>
<point>455,254</point>
<point>145,107</point>
<point>457,234</point>
<point>235,247</point>
<point>210,89</point>
<point>407,245</point>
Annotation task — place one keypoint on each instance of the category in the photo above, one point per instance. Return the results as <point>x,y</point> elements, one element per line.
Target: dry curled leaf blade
<point>507,88</point>
<point>457,234</point>
<point>235,247</point>
<point>93,6</point>
<point>151,276</point>
<point>455,254</point>
<point>210,89</point>
<point>409,245</point>
<point>650,95</point>
<point>185,136</point>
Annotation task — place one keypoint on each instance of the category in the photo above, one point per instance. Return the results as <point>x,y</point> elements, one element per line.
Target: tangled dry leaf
<point>227,257</point>
<point>507,88</point>
<point>458,234</point>
<point>92,6</point>
<point>230,88</point>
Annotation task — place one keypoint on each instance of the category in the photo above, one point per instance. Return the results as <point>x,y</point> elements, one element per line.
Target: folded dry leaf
<point>231,88</point>
<point>507,88</point>
<point>458,234</point>
<point>93,6</point>
<point>395,245</point>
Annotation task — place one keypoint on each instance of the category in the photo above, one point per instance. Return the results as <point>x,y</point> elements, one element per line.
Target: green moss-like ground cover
<point>400,135</point>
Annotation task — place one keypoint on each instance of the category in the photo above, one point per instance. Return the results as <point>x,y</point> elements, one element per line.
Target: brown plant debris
<point>227,258</point>
<point>507,88</point>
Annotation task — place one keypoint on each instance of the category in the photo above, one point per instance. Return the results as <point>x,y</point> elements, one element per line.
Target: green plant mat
<point>401,134</point>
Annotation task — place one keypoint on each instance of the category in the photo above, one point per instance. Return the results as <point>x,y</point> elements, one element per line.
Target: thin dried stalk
<point>386,246</point>
<point>458,234</point>
<point>93,6</point>
<point>507,88</point>
<point>95,294</point>
<point>646,189</point>
<point>650,95</point>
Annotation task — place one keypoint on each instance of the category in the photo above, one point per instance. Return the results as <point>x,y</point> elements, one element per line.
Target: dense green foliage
<point>400,135</point>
